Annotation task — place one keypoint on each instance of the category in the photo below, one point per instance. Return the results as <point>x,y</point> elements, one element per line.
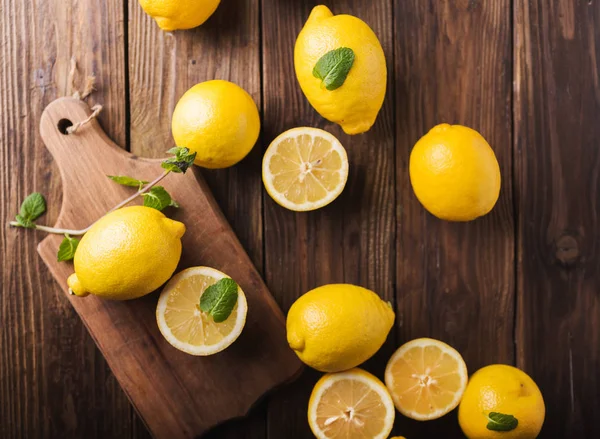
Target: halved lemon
<point>305,169</point>
<point>426,378</point>
<point>350,404</point>
<point>185,326</point>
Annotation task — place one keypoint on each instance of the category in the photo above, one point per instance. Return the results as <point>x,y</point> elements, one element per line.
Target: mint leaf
<point>333,67</point>
<point>181,162</point>
<point>219,299</point>
<point>67,248</point>
<point>127,181</point>
<point>25,222</point>
<point>501,422</point>
<point>157,198</point>
<point>33,206</point>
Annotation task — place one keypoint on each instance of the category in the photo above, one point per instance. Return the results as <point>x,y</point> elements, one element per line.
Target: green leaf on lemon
<point>219,299</point>
<point>67,248</point>
<point>501,422</point>
<point>127,181</point>
<point>333,67</point>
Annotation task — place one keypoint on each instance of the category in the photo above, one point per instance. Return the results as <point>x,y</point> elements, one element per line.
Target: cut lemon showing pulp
<point>351,404</point>
<point>426,378</point>
<point>305,169</point>
<point>185,326</point>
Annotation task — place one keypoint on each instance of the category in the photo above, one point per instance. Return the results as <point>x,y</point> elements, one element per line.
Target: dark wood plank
<point>162,67</point>
<point>454,280</point>
<point>351,240</point>
<point>53,381</point>
<point>557,126</point>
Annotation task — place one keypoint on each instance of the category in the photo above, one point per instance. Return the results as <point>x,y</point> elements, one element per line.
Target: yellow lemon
<point>350,405</point>
<point>355,103</point>
<point>219,121</point>
<point>497,390</point>
<point>126,254</point>
<point>179,14</point>
<point>454,173</point>
<point>337,327</point>
<point>185,326</point>
<point>305,169</point>
<point>426,378</point>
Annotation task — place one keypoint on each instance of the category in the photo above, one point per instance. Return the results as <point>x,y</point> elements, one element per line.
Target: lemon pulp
<point>305,169</point>
<point>426,379</point>
<point>350,405</point>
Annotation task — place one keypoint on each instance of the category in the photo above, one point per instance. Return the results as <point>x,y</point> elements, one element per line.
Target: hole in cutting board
<point>63,124</point>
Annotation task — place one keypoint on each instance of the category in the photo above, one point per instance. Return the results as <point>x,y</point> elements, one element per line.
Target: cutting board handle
<point>82,149</point>
<point>84,159</point>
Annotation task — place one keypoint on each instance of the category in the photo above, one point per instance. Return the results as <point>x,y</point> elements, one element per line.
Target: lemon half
<point>426,378</point>
<point>351,404</point>
<point>305,169</point>
<point>185,326</point>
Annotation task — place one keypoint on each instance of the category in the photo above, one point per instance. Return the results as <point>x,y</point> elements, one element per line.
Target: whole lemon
<point>506,390</point>
<point>454,173</point>
<point>219,121</point>
<point>127,254</point>
<point>337,327</point>
<point>179,14</point>
<point>353,105</point>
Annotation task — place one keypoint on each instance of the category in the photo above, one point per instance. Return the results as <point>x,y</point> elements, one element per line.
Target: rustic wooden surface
<point>162,383</point>
<point>519,286</point>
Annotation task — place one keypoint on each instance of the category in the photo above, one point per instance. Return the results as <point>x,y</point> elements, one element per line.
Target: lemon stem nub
<point>75,287</point>
<point>319,13</point>
<point>296,342</point>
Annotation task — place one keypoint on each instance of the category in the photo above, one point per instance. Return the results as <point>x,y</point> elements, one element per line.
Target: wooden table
<point>519,286</point>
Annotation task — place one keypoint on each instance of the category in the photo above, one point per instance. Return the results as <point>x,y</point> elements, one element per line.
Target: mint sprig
<point>181,162</point>
<point>32,207</point>
<point>154,196</point>
<point>501,422</point>
<point>333,67</point>
<point>67,248</point>
<point>219,299</point>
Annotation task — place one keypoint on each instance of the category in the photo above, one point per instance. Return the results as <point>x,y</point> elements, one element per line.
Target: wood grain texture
<point>455,281</point>
<point>162,67</point>
<point>448,61</point>
<point>176,394</point>
<point>352,239</point>
<point>557,176</point>
<point>53,381</point>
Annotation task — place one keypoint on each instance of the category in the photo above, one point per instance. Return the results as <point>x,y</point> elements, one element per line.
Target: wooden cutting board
<point>177,395</point>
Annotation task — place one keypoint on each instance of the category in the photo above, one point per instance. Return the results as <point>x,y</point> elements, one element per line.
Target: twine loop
<point>88,89</point>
